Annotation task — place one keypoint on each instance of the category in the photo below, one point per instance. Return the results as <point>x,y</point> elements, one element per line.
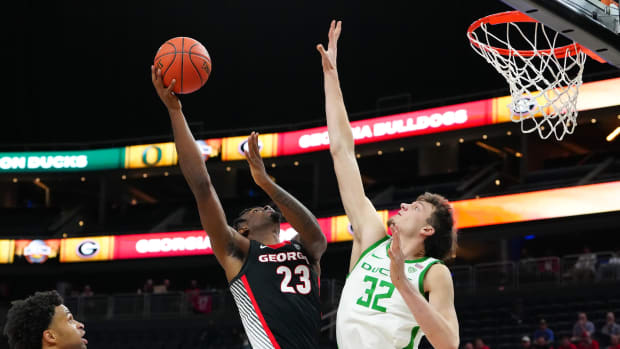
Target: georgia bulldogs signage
<point>181,243</point>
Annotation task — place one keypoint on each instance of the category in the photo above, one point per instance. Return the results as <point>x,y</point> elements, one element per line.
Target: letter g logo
<point>87,249</point>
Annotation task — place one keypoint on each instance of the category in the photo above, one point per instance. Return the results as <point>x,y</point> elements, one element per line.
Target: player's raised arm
<point>366,223</point>
<point>298,215</point>
<point>225,241</point>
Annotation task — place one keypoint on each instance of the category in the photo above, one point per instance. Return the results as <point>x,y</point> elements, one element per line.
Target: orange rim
<point>518,17</point>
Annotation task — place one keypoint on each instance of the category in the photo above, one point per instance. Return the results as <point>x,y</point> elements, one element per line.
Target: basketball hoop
<point>544,79</point>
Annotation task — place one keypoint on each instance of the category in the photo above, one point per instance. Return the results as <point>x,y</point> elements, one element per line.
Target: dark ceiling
<point>79,71</point>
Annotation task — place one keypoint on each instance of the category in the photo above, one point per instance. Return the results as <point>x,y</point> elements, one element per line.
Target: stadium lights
<point>610,137</point>
<point>81,223</point>
<point>498,182</point>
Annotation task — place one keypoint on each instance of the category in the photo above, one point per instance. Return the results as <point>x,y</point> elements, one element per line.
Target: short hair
<point>28,318</point>
<point>443,241</point>
<point>236,223</point>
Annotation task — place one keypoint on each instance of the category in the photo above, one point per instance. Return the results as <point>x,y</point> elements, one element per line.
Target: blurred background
<point>89,182</point>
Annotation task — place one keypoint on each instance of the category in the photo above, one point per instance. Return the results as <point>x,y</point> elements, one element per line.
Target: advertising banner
<point>87,249</point>
<point>233,147</point>
<point>37,251</point>
<point>61,161</point>
<point>7,250</point>
<point>458,116</point>
<point>180,243</point>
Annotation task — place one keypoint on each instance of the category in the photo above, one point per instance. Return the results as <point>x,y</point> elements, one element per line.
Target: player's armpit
<point>229,247</point>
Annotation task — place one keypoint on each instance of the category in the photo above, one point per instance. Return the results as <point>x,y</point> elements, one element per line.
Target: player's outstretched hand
<point>166,94</point>
<point>397,260</point>
<point>257,167</point>
<point>329,56</point>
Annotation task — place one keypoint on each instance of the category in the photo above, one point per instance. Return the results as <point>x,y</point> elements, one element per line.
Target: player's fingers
<point>170,88</point>
<point>256,149</point>
<point>153,73</point>
<point>338,30</point>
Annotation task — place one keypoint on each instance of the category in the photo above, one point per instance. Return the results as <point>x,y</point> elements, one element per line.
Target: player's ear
<point>49,337</point>
<point>427,230</point>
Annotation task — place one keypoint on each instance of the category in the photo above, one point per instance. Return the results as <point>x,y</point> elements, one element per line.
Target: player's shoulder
<point>437,276</point>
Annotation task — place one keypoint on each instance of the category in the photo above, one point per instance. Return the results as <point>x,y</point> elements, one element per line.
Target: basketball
<point>185,60</point>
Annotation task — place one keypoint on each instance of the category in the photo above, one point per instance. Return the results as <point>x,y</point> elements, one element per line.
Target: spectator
<point>468,345</point>
<point>525,342</point>
<point>566,344</point>
<point>582,328</point>
<point>614,342</point>
<point>148,287</point>
<point>480,344</point>
<point>544,331</point>
<point>587,342</point>
<point>585,268</point>
<point>87,291</point>
<point>163,287</point>
<point>611,328</point>
<point>541,343</point>
<point>611,270</point>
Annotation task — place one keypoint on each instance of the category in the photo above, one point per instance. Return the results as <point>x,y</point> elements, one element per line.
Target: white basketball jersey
<point>372,313</point>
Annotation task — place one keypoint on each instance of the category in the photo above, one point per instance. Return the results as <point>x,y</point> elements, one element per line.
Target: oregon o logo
<point>145,155</point>
<point>87,249</point>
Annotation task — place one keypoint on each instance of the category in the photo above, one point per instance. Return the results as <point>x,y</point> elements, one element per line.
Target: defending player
<point>383,302</point>
<point>41,321</point>
<point>275,284</point>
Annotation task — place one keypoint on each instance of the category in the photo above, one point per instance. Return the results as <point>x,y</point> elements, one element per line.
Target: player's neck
<point>413,247</point>
<point>266,237</point>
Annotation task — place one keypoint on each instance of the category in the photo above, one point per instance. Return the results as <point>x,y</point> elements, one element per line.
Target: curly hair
<point>28,318</point>
<point>443,242</point>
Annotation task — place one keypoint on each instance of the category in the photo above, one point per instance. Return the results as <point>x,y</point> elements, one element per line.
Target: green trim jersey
<point>372,314</point>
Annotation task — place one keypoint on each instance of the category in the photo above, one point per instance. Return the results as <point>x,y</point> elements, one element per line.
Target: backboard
<point>595,24</point>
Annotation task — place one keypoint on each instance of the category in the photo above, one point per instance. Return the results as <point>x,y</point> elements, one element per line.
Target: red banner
<point>453,117</point>
<point>180,243</point>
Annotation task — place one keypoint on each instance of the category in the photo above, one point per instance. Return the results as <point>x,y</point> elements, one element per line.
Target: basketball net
<point>544,80</point>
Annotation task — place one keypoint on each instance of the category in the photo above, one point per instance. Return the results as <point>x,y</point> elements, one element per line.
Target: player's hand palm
<point>329,56</point>
<point>166,94</point>
<point>257,166</point>
<point>397,260</point>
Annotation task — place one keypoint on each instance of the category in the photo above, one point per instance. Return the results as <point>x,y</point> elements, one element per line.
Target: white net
<point>544,80</point>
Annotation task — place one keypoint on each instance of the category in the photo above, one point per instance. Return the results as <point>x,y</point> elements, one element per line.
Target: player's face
<point>259,217</point>
<point>68,333</point>
<point>412,217</point>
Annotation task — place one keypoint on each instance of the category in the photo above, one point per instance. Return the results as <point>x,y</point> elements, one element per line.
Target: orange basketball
<point>185,60</point>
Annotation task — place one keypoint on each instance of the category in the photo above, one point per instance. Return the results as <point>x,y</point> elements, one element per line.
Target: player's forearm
<point>338,127</point>
<point>299,216</point>
<point>190,159</point>
<point>436,328</point>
